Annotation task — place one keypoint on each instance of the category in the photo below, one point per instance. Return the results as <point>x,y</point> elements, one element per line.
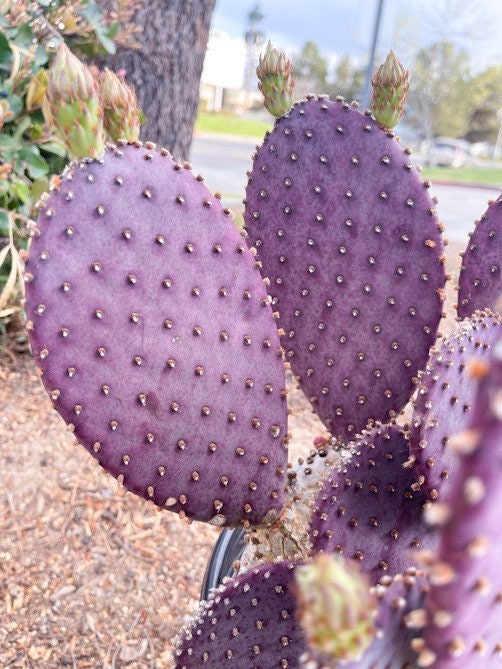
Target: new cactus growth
<point>120,106</point>
<point>73,98</point>
<point>390,85</point>
<point>336,608</point>
<point>152,326</point>
<point>275,80</point>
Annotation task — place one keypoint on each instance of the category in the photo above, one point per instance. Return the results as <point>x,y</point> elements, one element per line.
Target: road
<point>223,161</point>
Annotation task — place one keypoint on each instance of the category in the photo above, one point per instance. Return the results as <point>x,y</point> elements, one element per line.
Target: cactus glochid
<point>153,322</point>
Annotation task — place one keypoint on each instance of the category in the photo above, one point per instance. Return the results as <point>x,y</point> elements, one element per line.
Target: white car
<point>446,152</point>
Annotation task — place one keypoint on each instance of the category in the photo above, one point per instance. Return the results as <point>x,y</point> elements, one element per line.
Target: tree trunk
<point>166,69</point>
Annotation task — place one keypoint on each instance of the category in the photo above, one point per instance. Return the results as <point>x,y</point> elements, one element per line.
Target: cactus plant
<point>350,243</point>
<point>369,509</point>
<point>155,335</point>
<point>480,284</point>
<point>466,582</point>
<point>445,397</point>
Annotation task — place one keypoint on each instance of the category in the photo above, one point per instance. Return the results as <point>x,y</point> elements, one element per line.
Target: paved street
<point>223,161</point>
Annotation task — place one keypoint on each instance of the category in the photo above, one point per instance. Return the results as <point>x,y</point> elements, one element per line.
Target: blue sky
<point>345,26</point>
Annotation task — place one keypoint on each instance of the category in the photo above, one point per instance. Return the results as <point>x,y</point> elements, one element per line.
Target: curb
<point>462,184</point>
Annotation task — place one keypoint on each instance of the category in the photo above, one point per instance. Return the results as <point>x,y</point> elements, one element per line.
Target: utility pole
<point>254,38</point>
<point>365,97</point>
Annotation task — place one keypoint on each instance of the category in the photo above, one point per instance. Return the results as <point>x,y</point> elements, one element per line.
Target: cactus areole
<point>351,245</point>
<point>155,337</point>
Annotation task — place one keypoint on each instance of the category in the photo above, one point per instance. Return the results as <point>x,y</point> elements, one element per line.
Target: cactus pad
<point>155,338</point>
<point>480,285</point>
<point>350,242</point>
<point>251,623</point>
<point>369,511</point>
<point>248,623</point>
<point>445,397</point>
<point>465,598</point>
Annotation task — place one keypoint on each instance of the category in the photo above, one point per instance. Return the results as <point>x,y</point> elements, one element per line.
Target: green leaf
<point>21,128</point>
<point>21,190</point>
<point>38,187</point>
<point>16,104</point>
<point>24,36</point>
<point>94,17</point>
<point>54,147</point>
<point>36,166</point>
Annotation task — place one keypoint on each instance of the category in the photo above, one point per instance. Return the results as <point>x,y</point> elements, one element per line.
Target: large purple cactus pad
<point>445,397</point>
<point>153,332</point>
<point>350,241</point>
<point>480,285</point>
<point>249,623</point>
<point>369,510</point>
<point>465,598</point>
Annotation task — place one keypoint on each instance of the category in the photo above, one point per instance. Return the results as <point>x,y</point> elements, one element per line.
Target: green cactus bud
<point>120,107</point>
<point>336,607</point>
<point>74,103</point>
<point>390,85</point>
<point>275,80</point>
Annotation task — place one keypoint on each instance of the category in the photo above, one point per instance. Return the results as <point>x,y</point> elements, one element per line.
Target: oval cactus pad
<point>350,242</point>
<point>445,398</point>
<point>480,285</point>
<point>465,598</point>
<point>368,509</point>
<point>248,623</point>
<point>156,340</point>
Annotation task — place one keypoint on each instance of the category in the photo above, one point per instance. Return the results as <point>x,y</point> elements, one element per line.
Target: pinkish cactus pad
<point>464,604</point>
<point>480,285</point>
<point>247,623</point>
<point>445,398</point>
<point>370,510</point>
<point>351,244</point>
<point>155,338</point>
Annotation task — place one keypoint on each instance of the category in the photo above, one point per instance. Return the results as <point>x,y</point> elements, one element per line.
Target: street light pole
<point>365,97</point>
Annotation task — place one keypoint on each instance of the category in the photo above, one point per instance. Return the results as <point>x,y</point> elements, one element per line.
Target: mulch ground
<point>91,577</point>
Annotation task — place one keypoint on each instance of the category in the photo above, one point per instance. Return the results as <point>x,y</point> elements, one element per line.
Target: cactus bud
<point>120,107</point>
<point>74,103</point>
<point>276,81</point>
<point>390,85</point>
<point>336,607</point>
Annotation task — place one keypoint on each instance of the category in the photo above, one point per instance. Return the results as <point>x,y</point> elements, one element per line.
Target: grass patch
<point>231,125</point>
<point>489,176</point>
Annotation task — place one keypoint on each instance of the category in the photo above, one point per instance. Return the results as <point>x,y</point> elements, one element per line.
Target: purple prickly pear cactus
<point>251,622</point>
<point>445,399</point>
<point>155,337</point>
<point>248,623</point>
<point>480,285</point>
<point>370,510</point>
<point>351,246</point>
<point>465,599</point>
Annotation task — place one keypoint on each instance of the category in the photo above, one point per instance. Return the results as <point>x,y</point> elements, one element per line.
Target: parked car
<point>446,152</point>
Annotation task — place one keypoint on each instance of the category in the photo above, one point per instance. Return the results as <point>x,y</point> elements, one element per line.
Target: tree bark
<point>166,69</point>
